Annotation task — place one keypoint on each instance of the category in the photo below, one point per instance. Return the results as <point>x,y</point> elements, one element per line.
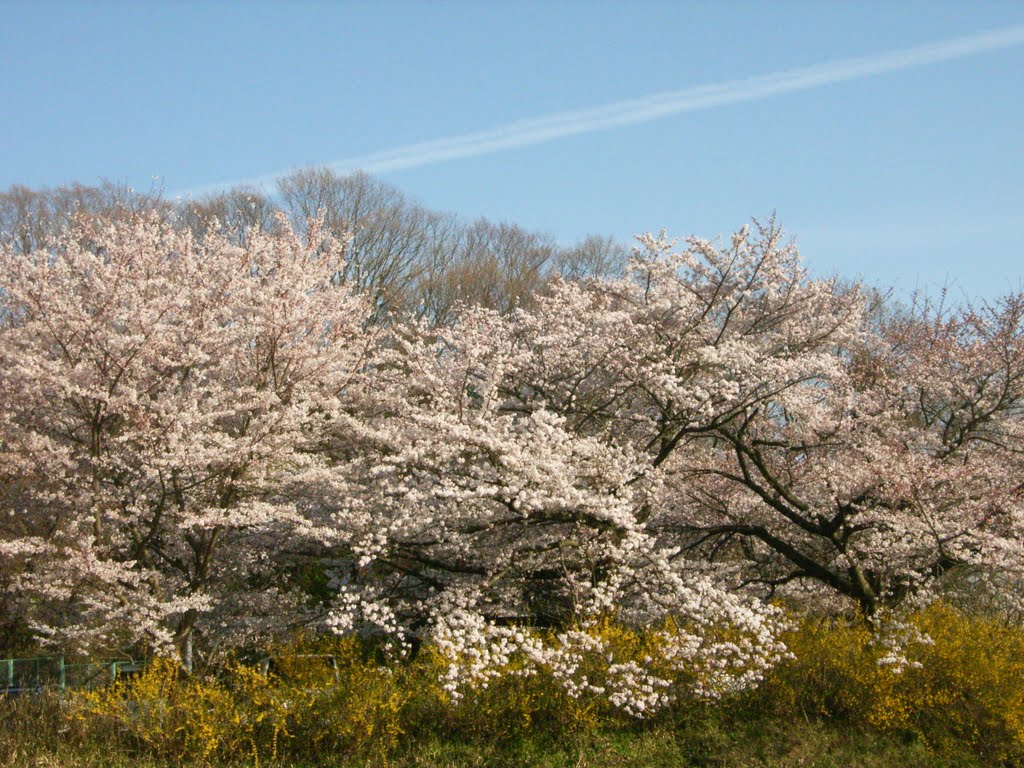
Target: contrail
<point>537,130</point>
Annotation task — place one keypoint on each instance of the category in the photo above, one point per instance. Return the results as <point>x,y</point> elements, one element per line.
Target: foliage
<point>960,690</point>
<point>957,702</point>
<point>306,706</point>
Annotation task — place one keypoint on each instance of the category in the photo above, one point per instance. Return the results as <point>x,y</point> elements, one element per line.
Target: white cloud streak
<point>538,130</point>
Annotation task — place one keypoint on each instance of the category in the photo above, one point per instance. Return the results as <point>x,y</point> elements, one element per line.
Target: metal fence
<point>50,672</point>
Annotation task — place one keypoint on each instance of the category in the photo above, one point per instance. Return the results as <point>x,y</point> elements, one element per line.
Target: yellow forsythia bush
<point>972,681</point>
<point>338,701</point>
<point>961,690</point>
<point>350,703</point>
<point>165,715</point>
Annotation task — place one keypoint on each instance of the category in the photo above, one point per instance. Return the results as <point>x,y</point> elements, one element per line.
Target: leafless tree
<point>236,213</point>
<point>29,218</point>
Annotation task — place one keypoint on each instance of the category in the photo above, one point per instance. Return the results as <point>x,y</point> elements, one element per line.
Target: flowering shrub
<point>333,695</point>
<point>166,715</point>
<point>959,695</point>
<point>960,688</point>
<point>639,672</point>
<point>305,706</point>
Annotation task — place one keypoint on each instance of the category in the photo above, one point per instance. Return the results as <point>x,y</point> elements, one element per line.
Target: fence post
<point>10,673</point>
<point>62,681</point>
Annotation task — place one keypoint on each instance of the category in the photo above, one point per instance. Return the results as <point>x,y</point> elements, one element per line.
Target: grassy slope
<point>965,696</point>
<point>770,744</point>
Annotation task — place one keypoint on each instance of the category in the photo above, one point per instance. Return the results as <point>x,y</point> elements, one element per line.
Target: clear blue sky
<point>905,177</point>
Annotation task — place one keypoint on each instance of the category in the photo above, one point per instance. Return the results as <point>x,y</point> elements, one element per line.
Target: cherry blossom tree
<point>884,457</point>
<point>787,434</point>
<point>157,387</point>
<point>480,519</point>
<point>759,420</point>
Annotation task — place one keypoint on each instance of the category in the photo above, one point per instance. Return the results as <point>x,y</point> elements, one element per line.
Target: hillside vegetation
<point>534,496</point>
<point>959,702</point>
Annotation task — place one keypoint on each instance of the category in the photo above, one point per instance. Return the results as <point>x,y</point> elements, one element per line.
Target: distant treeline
<point>409,259</point>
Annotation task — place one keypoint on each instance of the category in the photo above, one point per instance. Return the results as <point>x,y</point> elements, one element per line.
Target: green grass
<point>36,737</point>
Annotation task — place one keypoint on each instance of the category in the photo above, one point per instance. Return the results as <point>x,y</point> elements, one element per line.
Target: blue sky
<point>909,178</point>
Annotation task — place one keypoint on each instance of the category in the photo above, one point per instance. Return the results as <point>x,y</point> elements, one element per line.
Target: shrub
<point>341,701</point>
<point>960,690</point>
